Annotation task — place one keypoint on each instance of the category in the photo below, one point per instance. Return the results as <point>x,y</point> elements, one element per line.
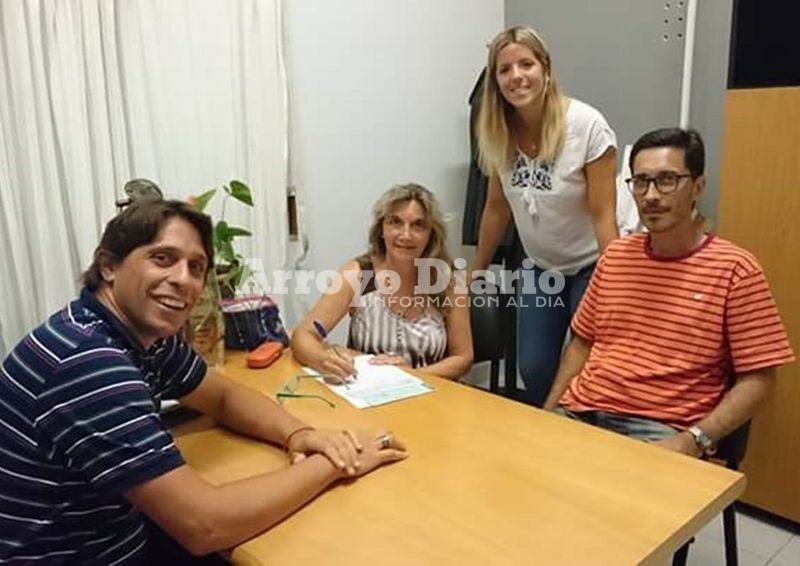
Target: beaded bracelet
<point>291,434</point>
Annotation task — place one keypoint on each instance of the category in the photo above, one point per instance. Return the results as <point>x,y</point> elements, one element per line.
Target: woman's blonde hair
<point>496,146</point>
<point>437,243</point>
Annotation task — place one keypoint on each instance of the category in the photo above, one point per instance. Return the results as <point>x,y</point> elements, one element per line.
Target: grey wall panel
<point>625,57</point>
<point>709,83</point>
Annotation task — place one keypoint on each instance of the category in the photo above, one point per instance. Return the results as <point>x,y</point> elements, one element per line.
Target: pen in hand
<point>321,330</point>
<point>323,334</point>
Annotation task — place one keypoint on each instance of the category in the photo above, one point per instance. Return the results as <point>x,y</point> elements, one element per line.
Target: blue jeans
<point>635,427</point>
<point>542,323</point>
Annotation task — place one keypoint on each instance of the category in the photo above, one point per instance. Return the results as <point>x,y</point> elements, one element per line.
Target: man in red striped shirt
<point>677,338</point>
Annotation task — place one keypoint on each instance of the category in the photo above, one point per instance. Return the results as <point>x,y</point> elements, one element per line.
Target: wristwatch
<point>703,441</point>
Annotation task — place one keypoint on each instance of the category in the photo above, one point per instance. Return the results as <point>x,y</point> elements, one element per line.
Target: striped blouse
<point>377,329</point>
<point>665,330</point>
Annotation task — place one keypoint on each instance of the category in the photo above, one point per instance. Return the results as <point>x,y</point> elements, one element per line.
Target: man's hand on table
<point>681,442</point>
<point>379,448</point>
<point>352,453</point>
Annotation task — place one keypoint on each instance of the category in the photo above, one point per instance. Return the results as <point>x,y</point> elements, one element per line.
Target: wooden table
<point>489,481</point>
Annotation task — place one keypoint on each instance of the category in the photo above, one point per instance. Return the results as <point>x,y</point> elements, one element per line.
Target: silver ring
<point>386,440</point>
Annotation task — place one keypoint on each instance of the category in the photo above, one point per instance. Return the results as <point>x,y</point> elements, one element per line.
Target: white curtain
<point>93,93</point>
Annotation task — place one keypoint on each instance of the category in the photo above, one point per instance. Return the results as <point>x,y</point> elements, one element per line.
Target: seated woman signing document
<point>400,314</point>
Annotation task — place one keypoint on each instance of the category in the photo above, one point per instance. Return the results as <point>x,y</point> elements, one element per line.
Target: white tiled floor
<point>789,554</point>
<point>759,544</point>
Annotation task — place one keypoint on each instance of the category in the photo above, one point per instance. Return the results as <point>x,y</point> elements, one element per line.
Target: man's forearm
<point>249,412</point>
<point>571,363</point>
<point>204,518</point>
<point>240,515</point>
<point>738,404</point>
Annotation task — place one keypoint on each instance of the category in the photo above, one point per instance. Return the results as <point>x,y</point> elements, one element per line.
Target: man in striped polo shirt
<point>677,338</point>
<point>84,455</point>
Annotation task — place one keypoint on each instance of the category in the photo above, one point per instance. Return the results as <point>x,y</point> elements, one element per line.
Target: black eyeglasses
<point>665,182</point>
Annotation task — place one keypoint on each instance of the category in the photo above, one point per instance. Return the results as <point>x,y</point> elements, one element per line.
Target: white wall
<point>378,93</point>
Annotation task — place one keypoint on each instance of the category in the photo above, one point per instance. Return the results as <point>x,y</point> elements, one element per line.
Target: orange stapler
<point>264,355</point>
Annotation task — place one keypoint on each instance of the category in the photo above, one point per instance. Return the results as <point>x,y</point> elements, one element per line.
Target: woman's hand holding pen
<point>338,361</point>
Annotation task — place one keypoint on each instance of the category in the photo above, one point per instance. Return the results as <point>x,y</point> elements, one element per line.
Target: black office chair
<point>487,317</point>
<point>730,452</point>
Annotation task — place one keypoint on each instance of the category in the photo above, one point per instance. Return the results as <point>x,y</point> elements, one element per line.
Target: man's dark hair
<point>694,152</point>
<point>138,225</point>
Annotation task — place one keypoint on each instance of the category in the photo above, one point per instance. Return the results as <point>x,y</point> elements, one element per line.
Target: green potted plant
<point>231,268</point>
<point>206,329</point>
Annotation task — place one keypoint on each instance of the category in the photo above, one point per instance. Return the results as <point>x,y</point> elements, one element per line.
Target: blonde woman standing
<point>551,161</point>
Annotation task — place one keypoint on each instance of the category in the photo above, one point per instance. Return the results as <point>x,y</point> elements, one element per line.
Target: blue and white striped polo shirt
<point>79,426</point>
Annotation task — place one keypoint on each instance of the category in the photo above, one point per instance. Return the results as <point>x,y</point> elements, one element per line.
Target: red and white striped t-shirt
<point>664,330</point>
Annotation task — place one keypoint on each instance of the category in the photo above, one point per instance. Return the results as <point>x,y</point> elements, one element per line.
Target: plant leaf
<point>234,231</point>
<point>230,279</point>
<point>201,201</point>
<point>223,244</point>
<point>215,238</point>
<point>227,252</point>
<point>220,235</point>
<point>241,192</point>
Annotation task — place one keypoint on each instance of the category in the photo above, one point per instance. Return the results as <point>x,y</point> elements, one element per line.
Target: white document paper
<point>377,385</point>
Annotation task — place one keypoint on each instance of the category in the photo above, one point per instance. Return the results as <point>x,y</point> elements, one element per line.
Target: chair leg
<point>681,555</point>
<point>729,527</point>
<point>510,376</point>
<point>494,376</point>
